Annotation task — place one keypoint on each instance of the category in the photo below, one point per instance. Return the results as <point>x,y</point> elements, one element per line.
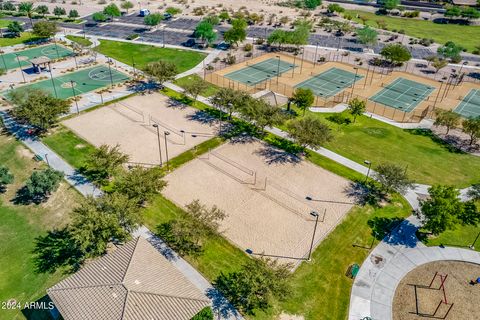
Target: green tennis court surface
<point>261,71</point>
<point>470,105</point>
<point>403,94</point>
<point>83,81</point>
<point>330,82</point>
<point>10,61</point>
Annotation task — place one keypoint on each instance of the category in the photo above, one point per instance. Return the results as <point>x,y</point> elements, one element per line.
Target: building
<point>134,282</point>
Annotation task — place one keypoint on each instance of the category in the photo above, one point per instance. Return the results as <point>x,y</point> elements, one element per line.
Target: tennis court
<point>261,71</point>
<point>330,82</point>
<point>83,81</point>
<point>53,51</point>
<point>403,94</point>
<point>470,105</point>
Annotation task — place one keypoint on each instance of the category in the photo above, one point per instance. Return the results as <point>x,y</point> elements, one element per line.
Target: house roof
<point>40,60</point>
<point>134,282</point>
<point>465,2</point>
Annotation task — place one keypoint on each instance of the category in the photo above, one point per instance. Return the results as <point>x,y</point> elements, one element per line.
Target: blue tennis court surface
<point>330,82</point>
<point>470,105</point>
<point>403,94</point>
<point>261,71</point>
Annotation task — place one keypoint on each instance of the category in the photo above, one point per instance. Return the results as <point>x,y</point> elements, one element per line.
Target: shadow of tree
<point>57,250</point>
<point>220,304</point>
<point>23,197</point>
<point>404,235</point>
<point>274,155</point>
<point>365,193</point>
<point>381,226</point>
<point>202,117</point>
<point>428,133</point>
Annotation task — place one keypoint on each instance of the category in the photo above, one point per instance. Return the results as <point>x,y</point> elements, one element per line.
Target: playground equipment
<point>439,313</point>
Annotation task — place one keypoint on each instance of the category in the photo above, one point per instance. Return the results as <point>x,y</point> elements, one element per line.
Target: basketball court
<point>330,82</point>
<point>130,123</point>
<point>18,59</point>
<point>469,107</point>
<point>260,71</point>
<point>403,94</point>
<point>80,82</point>
<point>268,195</point>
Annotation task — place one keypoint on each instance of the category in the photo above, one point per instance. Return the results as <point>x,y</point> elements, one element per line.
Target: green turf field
<point>470,105</point>
<point>403,94</point>
<point>83,81</point>
<point>25,37</point>
<point>142,54</point>
<point>21,58</point>
<point>330,82</point>
<point>261,71</point>
<point>80,40</point>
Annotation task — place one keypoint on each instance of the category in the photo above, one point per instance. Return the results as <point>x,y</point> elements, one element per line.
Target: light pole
<point>74,95</point>
<point>315,214</point>
<point>354,81</point>
<point>315,57</point>
<point>20,66</point>
<point>159,148</point>
<point>163,36</point>
<point>51,78</point>
<point>3,59</point>
<point>165,134</point>
<point>110,69</point>
<point>369,164</point>
<point>46,160</point>
<point>278,68</point>
<point>472,246</point>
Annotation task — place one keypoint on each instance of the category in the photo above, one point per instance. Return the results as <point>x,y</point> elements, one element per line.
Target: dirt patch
<point>285,316</point>
<point>24,153</point>
<point>462,297</point>
<point>265,193</point>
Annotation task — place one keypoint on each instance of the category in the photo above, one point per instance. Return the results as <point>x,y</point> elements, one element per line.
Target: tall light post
<point>314,214</point>
<point>110,69</point>
<point>354,81</point>
<point>163,36</point>
<point>165,134</point>
<point>315,57</point>
<point>4,63</point>
<point>72,83</point>
<point>369,164</point>
<point>472,246</point>
<point>51,78</point>
<point>278,68</point>
<point>46,160</point>
<point>159,147</point>
<point>20,66</point>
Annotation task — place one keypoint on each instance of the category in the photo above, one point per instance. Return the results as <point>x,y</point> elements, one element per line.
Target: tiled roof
<point>134,282</point>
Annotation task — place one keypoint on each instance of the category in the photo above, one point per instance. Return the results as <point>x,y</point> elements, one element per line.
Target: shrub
<point>248,47</point>
<point>339,118</point>
<point>132,36</point>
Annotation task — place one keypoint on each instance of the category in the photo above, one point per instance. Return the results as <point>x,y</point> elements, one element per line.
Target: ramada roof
<point>134,282</point>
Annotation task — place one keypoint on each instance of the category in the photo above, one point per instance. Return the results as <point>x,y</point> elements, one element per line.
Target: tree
<point>452,11</point>
<point>395,53</point>
<point>173,11</point>
<point>104,162</point>
<point>474,191</point>
<point>205,32</point>
<point>45,29</point>
<point>469,215</point>
<point>367,35</point>
<point>27,8</point>
<point>260,113</point>
<point>195,87</point>
<point>37,107</point>
<point>451,51</point>
<point>471,127</point>
<point>6,177</point>
<point>224,16</point>
<point>390,4</point>
<point>15,28</point>
<point>162,71</point>
<point>392,177</point>
<point>99,17</point>
<point>255,284</point>
<point>127,5</point>
<point>312,4</point>
<point>207,219</point>
<point>9,6</point>
<point>59,11</point>
<point>237,33</point>
<point>439,211</point>
<point>40,185</point>
<point>73,14</point>
<point>140,184</point>
<point>356,108</point>
<point>125,210</point>
<point>93,229</point>
<point>448,119</point>
<point>309,131</point>
<point>212,19</point>
<point>470,13</point>
<point>42,9</point>
<point>227,99</point>
<point>204,314</point>
<point>439,64</point>
<point>153,19</point>
<point>334,7</point>
<point>112,11</point>
<point>303,98</point>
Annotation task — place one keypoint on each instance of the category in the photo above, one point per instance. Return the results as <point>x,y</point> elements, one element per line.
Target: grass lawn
<point>24,38</point>
<point>80,40</point>
<point>320,288</point>
<point>210,91</point>
<point>143,54</point>
<point>440,33</point>
<point>427,159</point>
<point>20,225</point>
<point>4,23</point>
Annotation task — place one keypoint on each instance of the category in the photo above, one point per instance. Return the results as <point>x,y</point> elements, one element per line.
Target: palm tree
<point>27,7</point>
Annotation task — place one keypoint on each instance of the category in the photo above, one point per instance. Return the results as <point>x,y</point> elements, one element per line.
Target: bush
<point>339,118</point>
<point>248,47</point>
<point>132,36</point>
<point>230,59</point>
<point>260,41</point>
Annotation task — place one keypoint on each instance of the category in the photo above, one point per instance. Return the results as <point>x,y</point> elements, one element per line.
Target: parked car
<point>223,46</point>
<point>189,43</point>
<point>144,12</point>
<point>167,16</point>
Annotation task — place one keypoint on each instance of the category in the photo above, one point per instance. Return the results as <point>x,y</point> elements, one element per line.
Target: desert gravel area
<point>129,124</point>
<point>263,190</point>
